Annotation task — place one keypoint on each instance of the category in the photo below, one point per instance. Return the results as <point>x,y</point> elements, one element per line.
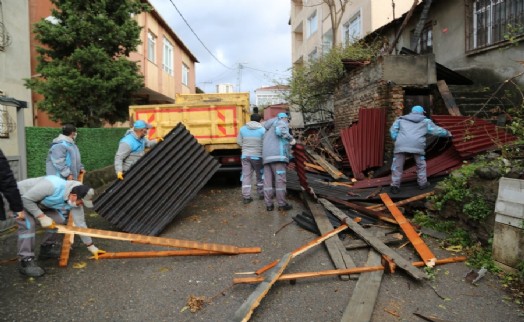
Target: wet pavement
<point>158,289</point>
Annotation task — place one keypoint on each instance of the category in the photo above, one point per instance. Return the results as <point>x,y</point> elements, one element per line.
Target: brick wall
<point>365,87</point>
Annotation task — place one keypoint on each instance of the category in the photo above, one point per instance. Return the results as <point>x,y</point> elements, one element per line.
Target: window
<point>313,55</point>
<point>168,57</point>
<point>312,24</point>
<point>491,20</point>
<point>351,30</point>
<point>185,74</point>
<point>151,44</point>
<point>327,41</point>
<point>425,41</point>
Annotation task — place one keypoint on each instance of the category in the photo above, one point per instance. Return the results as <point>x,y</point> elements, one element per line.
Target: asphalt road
<point>158,289</point>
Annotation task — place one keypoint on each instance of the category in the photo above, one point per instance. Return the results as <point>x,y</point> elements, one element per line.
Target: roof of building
<point>274,88</point>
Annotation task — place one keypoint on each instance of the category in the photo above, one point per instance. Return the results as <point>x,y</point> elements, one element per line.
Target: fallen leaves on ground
<point>79,265</point>
<point>195,303</point>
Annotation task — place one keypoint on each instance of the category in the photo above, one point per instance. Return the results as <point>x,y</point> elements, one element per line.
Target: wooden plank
<point>375,242</point>
<point>402,202</point>
<point>357,243</point>
<point>333,171</point>
<point>314,166</point>
<point>253,301</point>
<point>422,249</point>
<point>333,272</point>
<point>448,98</point>
<point>336,250</point>
<point>307,246</point>
<point>66,244</point>
<point>106,234</point>
<point>168,253</point>
<point>372,213</point>
<point>364,296</point>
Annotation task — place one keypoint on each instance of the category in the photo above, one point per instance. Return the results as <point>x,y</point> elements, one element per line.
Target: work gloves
<point>449,134</point>
<point>95,251</point>
<point>293,142</point>
<point>120,175</point>
<point>45,221</point>
<point>159,139</point>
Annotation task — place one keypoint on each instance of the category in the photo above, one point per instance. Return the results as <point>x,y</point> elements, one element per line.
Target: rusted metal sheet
<point>299,152</point>
<point>364,141</point>
<point>473,135</point>
<point>159,185</point>
<point>440,164</point>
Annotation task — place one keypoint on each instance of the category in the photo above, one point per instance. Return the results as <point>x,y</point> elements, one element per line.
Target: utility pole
<point>239,76</point>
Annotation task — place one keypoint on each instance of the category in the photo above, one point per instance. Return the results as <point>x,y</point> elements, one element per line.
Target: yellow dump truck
<point>213,119</point>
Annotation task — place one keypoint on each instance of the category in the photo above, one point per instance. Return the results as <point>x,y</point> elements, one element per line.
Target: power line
<point>264,71</point>
<point>194,33</point>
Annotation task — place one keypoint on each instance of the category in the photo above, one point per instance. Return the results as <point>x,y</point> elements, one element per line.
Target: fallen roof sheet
<point>159,185</point>
<point>473,135</point>
<point>364,141</point>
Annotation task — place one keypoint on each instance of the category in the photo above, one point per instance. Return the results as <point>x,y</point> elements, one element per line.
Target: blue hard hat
<point>418,109</point>
<point>281,115</point>
<point>140,124</point>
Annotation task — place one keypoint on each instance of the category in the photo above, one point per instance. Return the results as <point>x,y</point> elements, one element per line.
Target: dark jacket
<point>8,188</point>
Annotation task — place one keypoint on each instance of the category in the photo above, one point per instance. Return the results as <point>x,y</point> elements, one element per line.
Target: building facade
<point>15,98</point>
<point>313,32</point>
<point>271,95</point>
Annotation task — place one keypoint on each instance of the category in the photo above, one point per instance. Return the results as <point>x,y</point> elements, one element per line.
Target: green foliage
<point>479,256</point>
<point>97,147</point>
<point>456,235</point>
<point>85,77</point>
<point>514,33</point>
<point>311,85</point>
<point>456,189</point>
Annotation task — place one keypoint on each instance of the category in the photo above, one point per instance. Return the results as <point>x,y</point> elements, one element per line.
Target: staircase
<point>481,103</point>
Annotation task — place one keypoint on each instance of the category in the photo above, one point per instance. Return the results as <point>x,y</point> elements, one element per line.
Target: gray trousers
<point>397,167</point>
<point>26,233</point>
<point>248,167</point>
<point>275,172</point>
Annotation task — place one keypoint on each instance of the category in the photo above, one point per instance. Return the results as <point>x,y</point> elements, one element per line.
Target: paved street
<point>158,289</point>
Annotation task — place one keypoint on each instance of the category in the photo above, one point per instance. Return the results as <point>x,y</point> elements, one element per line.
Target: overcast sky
<point>254,33</point>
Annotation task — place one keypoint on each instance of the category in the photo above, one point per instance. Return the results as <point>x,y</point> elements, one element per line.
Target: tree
<point>336,14</point>
<point>84,74</point>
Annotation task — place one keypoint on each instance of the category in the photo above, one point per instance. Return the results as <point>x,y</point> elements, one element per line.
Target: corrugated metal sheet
<point>472,135</point>
<point>299,152</point>
<point>440,164</point>
<point>159,185</point>
<point>364,142</point>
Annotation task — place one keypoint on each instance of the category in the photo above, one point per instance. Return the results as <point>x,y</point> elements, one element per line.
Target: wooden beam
<point>314,166</point>
<point>333,272</point>
<point>305,247</point>
<point>404,23</point>
<point>402,202</point>
<point>66,244</point>
<point>105,234</point>
<point>333,171</point>
<point>375,242</point>
<point>448,98</point>
<point>372,213</point>
<point>253,301</point>
<point>168,253</point>
<point>357,243</point>
<point>364,296</point>
<point>336,250</point>
<point>422,249</point>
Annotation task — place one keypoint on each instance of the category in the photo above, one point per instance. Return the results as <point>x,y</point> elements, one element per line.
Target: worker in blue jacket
<point>409,134</point>
<point>250,138</point>
<point>63,158</point>
<point>132,147</point>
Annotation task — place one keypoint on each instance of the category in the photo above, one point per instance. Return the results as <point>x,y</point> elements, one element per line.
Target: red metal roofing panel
<point>443,163</point>
<point>473,135</point>
<point>364,141</point>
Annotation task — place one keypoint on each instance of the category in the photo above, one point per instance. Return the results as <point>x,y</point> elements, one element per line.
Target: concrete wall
<point>486,67</point>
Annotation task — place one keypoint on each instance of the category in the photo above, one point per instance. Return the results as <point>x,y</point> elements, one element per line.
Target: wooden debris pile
<point>381,257</point>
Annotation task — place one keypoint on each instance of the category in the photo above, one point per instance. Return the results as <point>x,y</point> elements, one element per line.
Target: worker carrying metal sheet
<point>50,200</point>
<point>132,147</point>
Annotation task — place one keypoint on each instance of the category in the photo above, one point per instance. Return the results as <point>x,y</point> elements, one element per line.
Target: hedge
<point>97,147</point>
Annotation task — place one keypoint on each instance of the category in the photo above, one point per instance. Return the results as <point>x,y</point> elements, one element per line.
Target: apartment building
<point>271,95</point>
<point>313,32</point>
<point>166,63</point>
